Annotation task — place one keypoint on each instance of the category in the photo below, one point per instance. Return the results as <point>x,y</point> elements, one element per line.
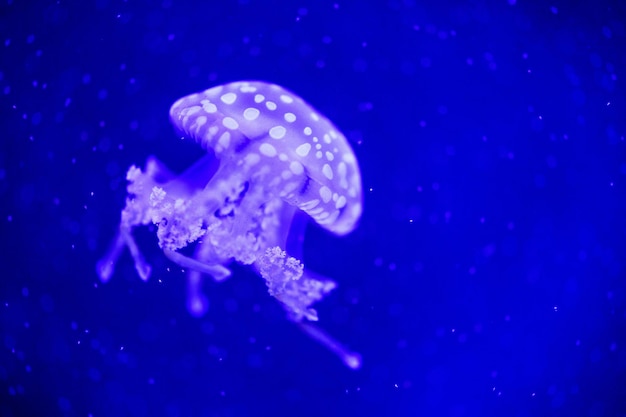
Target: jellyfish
<point>272,162</point>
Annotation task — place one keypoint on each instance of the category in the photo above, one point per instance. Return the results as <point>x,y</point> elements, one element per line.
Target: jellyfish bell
<point>277,157</point>
<point>266,125</point>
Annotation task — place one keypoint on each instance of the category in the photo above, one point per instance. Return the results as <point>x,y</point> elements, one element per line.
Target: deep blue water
<point>486,278</point>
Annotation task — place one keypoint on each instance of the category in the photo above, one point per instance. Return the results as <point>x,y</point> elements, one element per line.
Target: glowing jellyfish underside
<point>270,157</point>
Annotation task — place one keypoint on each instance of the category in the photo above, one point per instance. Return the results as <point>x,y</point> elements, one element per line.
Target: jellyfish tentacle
<point>217,271</point>
<point>143,268</point>
<point>197,302</point>
<point>158,171</point>
<point>105,267</point>
<point>204,253</point>
<point>133,214</point>
<point>351,359</point>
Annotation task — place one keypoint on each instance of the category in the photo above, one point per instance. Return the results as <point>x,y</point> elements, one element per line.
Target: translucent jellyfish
<point>272,161</point>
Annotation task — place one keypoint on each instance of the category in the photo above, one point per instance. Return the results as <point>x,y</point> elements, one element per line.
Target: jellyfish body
<point>270,158</point>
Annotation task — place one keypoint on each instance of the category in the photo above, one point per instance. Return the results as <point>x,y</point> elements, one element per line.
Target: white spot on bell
<point>208,107</point>
<point>326,194</point>
<point>229,98</point>
<point>349,158</point>
<point>290,187</point>
<point>271,105</point>
<point>308,131</point>
<point>213,91</point>
<point>342,169</point>
<point>200,121</point>
<point>230,123</point>
<point>252,159</point>
<point>309,204</point>
<point>251,113</point>
<point>290,117</point>
<point>224,140</point>
<point>304,149</point>
<point>267,149</point>
<point>331,219</point>
<point>327,171</point>
<point>192,110</point>
<point>259,98</point>
<point>322,216</point>
<point>341,202</point>
<point>296,167</point>
<point>286,99</point>
<point>247,89</point>
<point>330,156</point>
<point>278,132</point>
<point>341,172</point>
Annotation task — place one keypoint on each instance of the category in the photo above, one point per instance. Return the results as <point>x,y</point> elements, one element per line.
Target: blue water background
<point>486,278</point>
